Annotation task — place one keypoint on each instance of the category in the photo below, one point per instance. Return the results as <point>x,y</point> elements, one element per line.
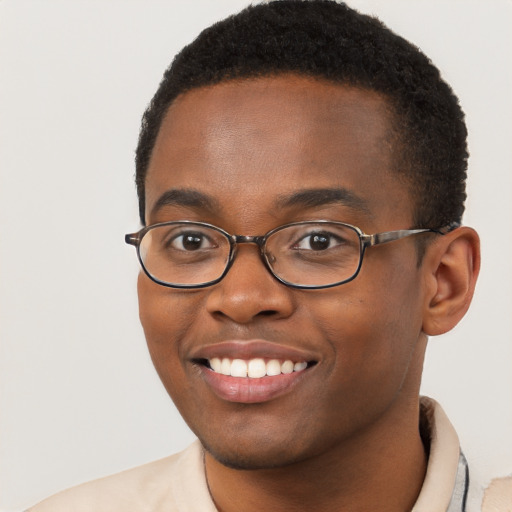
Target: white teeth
<point>255,368</point>
<point>287,367</point>
<point>225,367</point>
<point>238,368</point>
<point>299,366</point>
<point>216,364</point>
<point>273,367</point>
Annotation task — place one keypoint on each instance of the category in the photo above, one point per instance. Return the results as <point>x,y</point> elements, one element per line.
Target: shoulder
<point>498,496</point>
<point>166,484</point>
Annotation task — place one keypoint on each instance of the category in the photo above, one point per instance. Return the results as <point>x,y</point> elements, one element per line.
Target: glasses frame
<point>365,241</point>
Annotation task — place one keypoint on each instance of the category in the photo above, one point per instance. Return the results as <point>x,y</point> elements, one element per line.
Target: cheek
<point>372,327</point>
<point>165,318</point>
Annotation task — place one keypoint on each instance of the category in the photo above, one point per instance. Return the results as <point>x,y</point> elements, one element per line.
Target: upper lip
<point>251,349</point>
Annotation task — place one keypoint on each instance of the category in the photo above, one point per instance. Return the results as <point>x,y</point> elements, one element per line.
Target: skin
<point>350,424</point>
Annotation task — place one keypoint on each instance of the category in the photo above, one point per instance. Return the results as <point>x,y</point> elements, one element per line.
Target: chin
<point>256,456</point>
<point>242,461</point>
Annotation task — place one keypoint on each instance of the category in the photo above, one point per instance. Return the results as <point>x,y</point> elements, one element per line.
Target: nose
<point>249,292</point>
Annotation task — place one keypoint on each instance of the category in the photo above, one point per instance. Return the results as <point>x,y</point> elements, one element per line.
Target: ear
<point>451,265</point>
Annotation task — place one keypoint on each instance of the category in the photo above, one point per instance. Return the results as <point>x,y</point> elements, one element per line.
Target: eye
<point>319,241</point>
<point>191,241</point>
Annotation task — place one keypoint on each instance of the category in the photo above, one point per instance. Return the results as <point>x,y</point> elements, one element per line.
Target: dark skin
<point>345,436</point>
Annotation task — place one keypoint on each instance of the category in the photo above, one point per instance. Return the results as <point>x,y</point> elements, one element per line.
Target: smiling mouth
<point>255,368</point>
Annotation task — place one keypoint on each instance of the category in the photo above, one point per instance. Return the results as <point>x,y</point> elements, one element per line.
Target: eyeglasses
<point>311,254</point>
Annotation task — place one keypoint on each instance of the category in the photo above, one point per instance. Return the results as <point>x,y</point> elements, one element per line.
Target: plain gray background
<point>79,397</point>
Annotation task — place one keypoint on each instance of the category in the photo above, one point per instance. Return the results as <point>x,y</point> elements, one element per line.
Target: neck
<point>381,468</point>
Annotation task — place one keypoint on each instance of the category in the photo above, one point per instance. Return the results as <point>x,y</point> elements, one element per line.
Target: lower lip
<point>250,391</point>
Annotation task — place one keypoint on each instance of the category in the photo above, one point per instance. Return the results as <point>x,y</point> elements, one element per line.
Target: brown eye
<point>318,242</point>
<point>190,242</point>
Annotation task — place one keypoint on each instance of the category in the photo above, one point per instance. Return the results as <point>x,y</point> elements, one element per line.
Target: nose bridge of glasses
<point>258,240</point>
<point>243,239</point>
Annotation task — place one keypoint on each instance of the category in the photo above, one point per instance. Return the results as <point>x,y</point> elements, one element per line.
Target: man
<point>301,182</point>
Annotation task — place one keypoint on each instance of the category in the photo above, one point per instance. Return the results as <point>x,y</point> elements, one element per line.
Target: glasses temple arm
<point>390,236</point>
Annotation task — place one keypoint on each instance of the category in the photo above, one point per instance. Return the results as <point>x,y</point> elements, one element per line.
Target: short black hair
<point>327,40</point>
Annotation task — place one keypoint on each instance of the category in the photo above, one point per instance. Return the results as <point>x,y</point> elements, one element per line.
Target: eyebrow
<point>311,198</point>
<point>185,197</point>
<point>308,198</point>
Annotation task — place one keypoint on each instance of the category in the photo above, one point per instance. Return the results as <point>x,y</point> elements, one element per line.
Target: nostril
<point>268,312</point>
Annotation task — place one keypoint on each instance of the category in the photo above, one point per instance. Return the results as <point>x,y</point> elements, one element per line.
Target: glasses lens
<point>184,253</point>
<point>314,254</point>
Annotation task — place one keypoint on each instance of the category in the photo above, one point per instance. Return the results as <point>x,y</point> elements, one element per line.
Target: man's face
<point>253,149</point>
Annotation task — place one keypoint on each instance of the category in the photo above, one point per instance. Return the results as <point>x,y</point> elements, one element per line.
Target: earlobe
<point>451,264</point>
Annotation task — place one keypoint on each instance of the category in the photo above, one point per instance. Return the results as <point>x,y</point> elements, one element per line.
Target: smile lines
<point>254,368</point>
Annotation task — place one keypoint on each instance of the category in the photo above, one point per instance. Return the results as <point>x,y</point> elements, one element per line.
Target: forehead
<point>247,142</point>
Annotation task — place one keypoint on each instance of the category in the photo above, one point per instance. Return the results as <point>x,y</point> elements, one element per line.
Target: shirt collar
<point>446,482</point>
